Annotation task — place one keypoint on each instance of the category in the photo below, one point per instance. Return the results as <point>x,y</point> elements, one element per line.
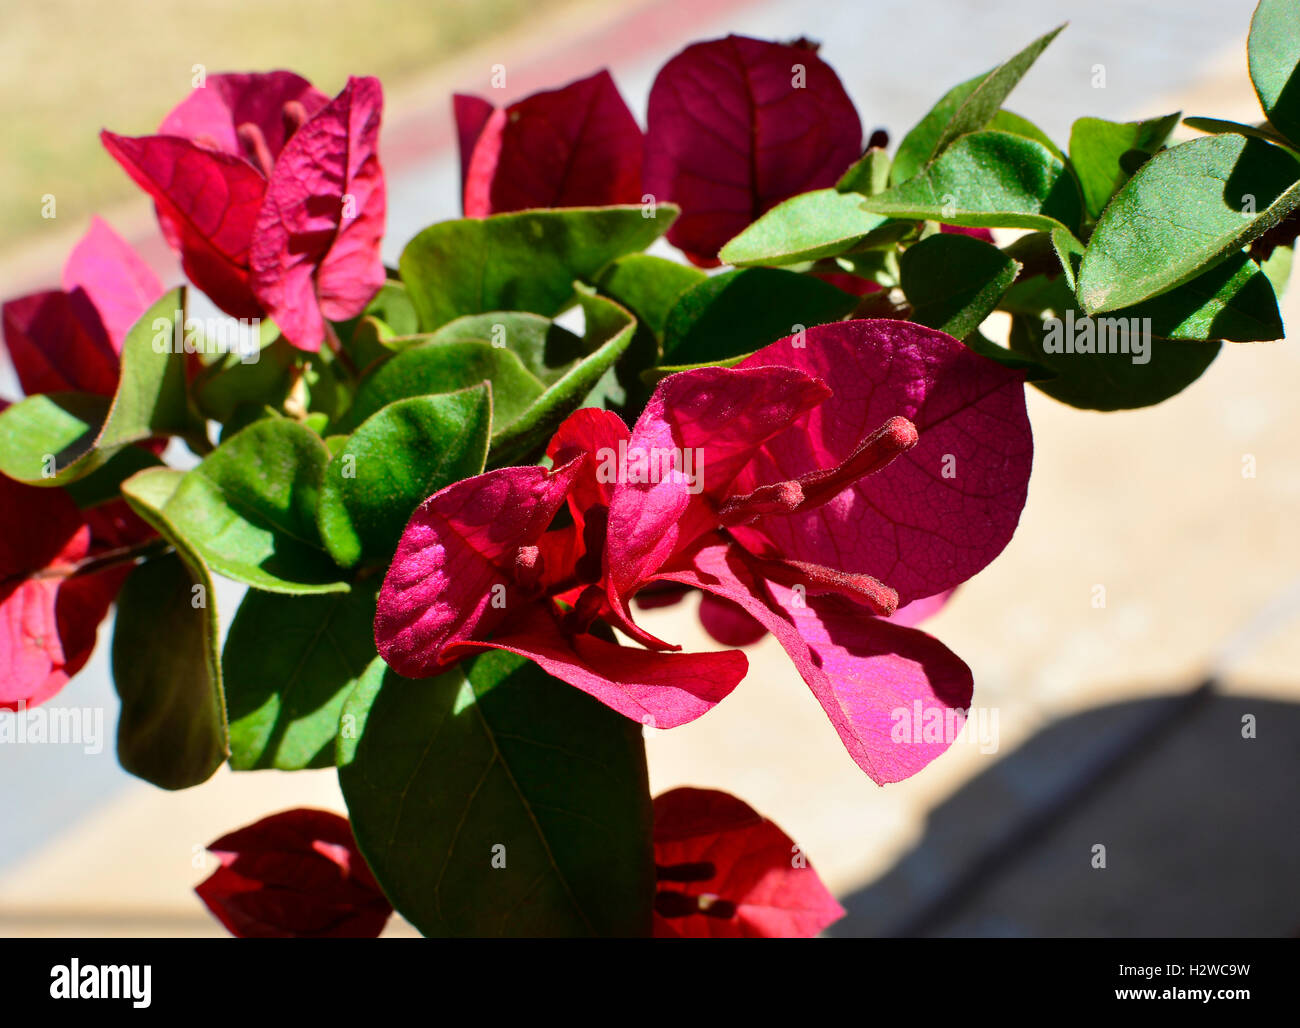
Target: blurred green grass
<point>71,67</point>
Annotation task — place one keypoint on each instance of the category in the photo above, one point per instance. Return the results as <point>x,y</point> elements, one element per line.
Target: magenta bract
<point>295,874</point>
<point>726,872</point>
<point>576,146</point>
<point>273,196</point>
<point>737,125</point>
<point>69,340</point>
<point>814,511</point>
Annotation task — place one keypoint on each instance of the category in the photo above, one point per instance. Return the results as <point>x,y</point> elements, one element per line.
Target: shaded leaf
<point>1274,53</point>
<point>609,331</point>
<point>166,669</point>
<point>1232,300</point>
<point>1112,381</point>
<point>738,312</point>
<point>954,282</point>
<point>648,286</point>
<point>1098,148</point>
<point>289,663</point>
<point>494,759</point>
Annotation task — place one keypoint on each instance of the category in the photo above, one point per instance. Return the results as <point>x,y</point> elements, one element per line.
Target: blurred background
<point>1117,725</point>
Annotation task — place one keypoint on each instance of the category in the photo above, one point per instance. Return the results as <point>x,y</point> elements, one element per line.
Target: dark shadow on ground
<point>1201,829</point>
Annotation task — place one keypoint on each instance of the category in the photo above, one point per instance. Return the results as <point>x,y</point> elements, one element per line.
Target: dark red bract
<point>737,125</point>
<point>296,874</point>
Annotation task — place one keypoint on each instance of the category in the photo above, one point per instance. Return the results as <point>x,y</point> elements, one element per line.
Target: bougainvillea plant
<point>453,486</point>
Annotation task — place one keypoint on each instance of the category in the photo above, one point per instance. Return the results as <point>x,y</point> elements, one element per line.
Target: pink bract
<point>70,340</point>
<point>272,195</point>
<point>815,511</point>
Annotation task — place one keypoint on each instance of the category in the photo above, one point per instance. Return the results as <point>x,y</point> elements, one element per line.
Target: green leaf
<point>954,282</point>
<point>1263,131</point>
<point>172,729</point>
<point>445,364</point>
<point>1109,381</point>
<point>494,759</point>
<point>653,376</point>
<point>807,227</point>
<point>868,175</point>
<point>608,332</point>
<point>57,438</point>
<point>1185,210</point>
<point>967,107</point>
<point>1034,370</point>
<point>1008,121</point>
<point>1277,268</point>
<point>648,286</point>
<point>988,179</point>
<point>1233,300</point>
<point>544,348</point>
<point>249,509</point>
<point>389,316</point>
<point>233,383</point>
<point>399,456</point>
<point>1069,251</point>
<point>1274,53</point>
<point>447,361</point>
<point>394,307</point>
<point>524,261</point>
<point>738,312</point>
<point>290,662</point>
<point>1098,149</point>
<point>105,484</point>
<point>983,102</point>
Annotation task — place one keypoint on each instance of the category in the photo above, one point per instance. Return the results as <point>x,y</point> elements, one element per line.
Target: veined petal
<point>315,250</point>
<point>698,431</point>
<point>53,350</point>
<point>295,874</point>
<point>577,146</point>
<point>207,202</point>
<point>936,514</point>
<point>471,114</point>
<point>456,557</point>
<point>737,125</point>
<point>662,690</point>
<point>45,638</point>
<point>867,674</point>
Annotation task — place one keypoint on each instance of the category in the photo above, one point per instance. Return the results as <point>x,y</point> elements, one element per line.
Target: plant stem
<point>110,559</point>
